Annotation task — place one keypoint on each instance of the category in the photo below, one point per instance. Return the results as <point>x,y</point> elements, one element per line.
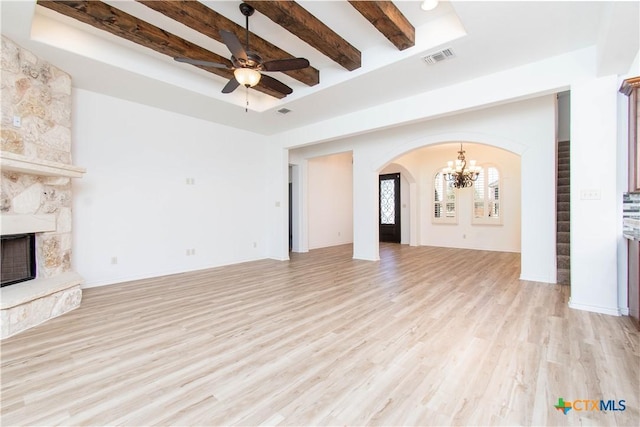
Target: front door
<point>390,208</point>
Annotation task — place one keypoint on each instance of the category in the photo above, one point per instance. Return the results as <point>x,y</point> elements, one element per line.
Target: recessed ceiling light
<point>429,4</point>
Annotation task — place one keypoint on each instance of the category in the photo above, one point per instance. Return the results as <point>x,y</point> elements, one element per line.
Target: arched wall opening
<point>537,181</point>
<point>462,229</point>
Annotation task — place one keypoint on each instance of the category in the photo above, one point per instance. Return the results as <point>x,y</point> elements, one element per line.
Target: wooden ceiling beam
<point>300,22</point>
<point>387,19</point>
<point>104,17</point>
<point>205,20</point>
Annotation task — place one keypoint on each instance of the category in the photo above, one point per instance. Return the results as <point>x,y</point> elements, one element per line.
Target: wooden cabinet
<point>630,88</point>
<point>634,280</point>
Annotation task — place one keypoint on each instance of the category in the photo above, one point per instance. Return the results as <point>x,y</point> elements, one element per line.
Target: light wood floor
<point>426,336</point>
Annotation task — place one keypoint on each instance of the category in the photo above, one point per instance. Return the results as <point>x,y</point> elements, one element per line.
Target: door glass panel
<point>387,202</point>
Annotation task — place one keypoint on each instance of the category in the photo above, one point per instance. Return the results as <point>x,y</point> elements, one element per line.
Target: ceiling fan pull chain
<point>246,108</point>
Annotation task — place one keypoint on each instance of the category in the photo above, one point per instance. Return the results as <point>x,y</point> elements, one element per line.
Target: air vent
<point>439,56</point>
<point>284,111</point>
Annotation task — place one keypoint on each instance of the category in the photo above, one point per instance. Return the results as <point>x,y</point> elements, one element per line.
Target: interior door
<point>389,208</point>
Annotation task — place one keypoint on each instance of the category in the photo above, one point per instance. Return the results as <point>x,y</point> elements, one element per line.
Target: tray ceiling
<point>362,53</point>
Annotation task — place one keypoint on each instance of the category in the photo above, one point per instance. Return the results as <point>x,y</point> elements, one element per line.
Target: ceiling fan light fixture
<point>429,4</point>
<point>247,77</point>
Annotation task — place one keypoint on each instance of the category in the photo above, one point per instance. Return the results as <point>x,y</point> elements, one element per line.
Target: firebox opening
<point>18,258</point>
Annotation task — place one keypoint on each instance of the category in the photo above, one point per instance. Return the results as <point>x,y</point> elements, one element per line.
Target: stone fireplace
<point>36,190</point>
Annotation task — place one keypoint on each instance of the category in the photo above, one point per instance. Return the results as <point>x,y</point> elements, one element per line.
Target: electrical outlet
<point>114,260</point>
<point>17,121</point>
<point>590,194</point>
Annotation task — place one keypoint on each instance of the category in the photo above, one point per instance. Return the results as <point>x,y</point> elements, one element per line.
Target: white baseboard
<point>115,280</point>
<point>612,311</point>
<point>365,258</point>
<point>537,279</point>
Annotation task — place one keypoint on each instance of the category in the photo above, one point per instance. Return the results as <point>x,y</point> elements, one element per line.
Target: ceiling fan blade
<point>230,86</point>
<point>286,64</point>
<point>233,44</point>
<point>202,63</point>
<point>276,85</point>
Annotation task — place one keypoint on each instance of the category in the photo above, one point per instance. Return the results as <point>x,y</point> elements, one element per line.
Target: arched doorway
<point>469,222</point>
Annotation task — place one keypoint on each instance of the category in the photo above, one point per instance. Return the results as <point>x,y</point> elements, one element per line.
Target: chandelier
<point>460,176</point>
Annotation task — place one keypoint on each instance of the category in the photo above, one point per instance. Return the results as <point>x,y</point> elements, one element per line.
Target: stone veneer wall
<point>36,139</point>
<point>39,94</point>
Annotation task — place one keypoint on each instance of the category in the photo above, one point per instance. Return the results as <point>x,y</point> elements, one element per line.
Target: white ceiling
<point>486,37</point>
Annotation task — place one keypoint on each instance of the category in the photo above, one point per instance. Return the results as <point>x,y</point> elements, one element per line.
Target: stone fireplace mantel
<point>17,163</point>
<point>27,223</point>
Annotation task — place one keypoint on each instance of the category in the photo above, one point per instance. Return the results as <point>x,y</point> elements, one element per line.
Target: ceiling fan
<point>248,65</point>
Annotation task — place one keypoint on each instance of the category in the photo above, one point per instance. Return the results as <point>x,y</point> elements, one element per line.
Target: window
<point>444,201</point>
<point>487,197</point>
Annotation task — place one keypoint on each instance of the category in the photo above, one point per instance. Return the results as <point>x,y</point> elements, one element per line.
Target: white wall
<point>134,203</point>
<point>404,210</point>
<point>594,222</point>
<point>330,200</point>
<point>425,162</point>
<point>544,77</point>
<point>299,208</point>
<point>276,212</point>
